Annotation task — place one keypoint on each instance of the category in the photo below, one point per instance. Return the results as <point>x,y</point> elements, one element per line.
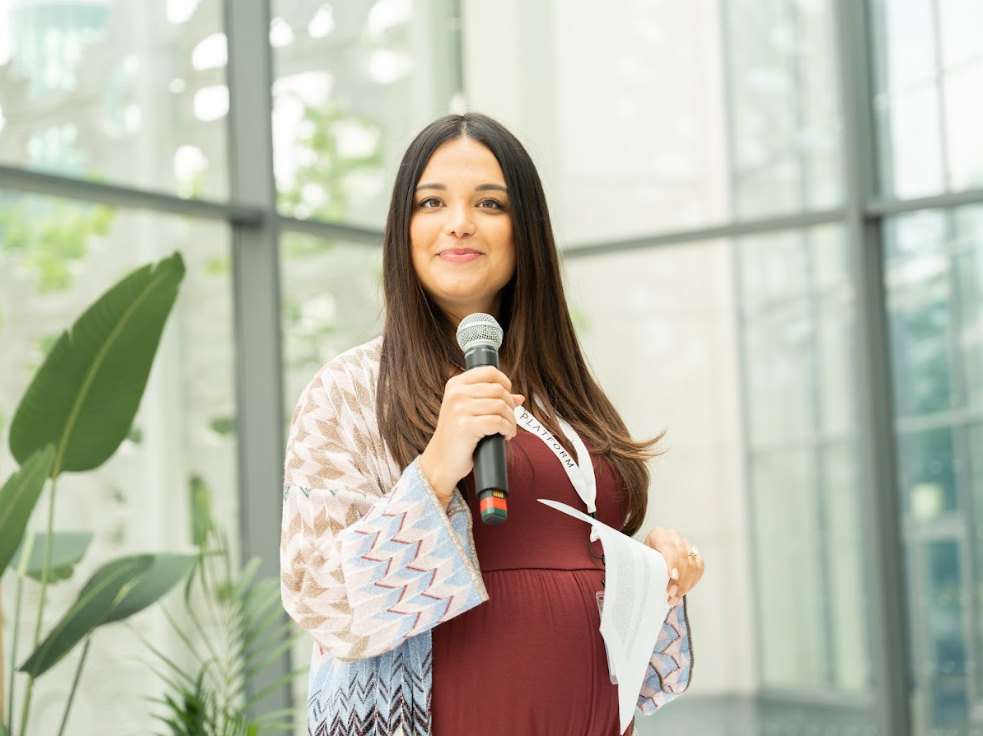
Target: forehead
<point>462,160</point>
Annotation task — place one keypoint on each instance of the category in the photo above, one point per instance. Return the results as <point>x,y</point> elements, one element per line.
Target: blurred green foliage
<point>51,234</point>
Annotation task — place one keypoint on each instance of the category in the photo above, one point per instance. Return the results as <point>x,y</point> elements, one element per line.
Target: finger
<point>657,540</point>
<point>699,566</point>
<point>517,399</point>
<point>486,391</point>
<point>691,576</point>
<point>679,571</point>
<point>484,374</point>
<point>687,580</point>
<point>674,552</point>
<point>489,425</point>
<point>490,407</point>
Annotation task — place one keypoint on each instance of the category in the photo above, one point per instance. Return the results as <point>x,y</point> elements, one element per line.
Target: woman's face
<point>461,229</point>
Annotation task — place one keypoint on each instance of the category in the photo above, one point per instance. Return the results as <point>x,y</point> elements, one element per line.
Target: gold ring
<point>694,553</point>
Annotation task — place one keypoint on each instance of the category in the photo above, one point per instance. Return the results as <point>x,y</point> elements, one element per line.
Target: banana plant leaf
<point>96,599</point>
<point>86,393</point>
<point>67,550</point>
<point>152,584</point>
<point>18,498</point>
<point>116,591</point>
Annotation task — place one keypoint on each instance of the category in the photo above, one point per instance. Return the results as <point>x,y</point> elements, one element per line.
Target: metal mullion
<point>878,78</point>
<point>731,230</point>
<point>873,210</point>
<point>890,645</point>
<point>939,96</point>
<point>819,452</point>
<point>961,432</point>
<point>877,207</point>
<point>331,230</point>
<point>256,286</point>
<point>36,182</point>
<point>938,420</point>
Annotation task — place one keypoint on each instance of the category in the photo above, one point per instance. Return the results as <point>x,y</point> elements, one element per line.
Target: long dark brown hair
<point>540,349</point>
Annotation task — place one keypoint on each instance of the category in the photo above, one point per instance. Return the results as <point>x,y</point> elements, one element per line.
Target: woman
<point>380,560</point>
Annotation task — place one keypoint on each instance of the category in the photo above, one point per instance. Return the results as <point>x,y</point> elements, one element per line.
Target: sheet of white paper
<point>635,606</point>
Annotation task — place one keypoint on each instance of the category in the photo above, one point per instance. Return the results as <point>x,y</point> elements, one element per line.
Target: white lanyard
<point>580,471</point>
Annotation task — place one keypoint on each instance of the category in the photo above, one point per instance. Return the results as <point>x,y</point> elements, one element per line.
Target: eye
<point>429,203</point>
<point>491,204</point>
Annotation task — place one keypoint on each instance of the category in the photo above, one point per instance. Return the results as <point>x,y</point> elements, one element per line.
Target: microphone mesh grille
<point>479,327</point>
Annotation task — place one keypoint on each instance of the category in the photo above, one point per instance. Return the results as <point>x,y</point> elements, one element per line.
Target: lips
<point>459,255</point>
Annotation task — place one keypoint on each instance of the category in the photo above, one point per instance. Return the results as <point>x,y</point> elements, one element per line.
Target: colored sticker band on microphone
<point>493,507</point>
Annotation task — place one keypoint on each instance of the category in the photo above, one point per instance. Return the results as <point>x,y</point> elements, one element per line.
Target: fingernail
<point>673,601</point>
<point>675,574</point>
<point>672,591</point>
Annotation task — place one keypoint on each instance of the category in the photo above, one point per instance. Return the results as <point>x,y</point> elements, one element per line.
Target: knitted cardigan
<point>370,562</point>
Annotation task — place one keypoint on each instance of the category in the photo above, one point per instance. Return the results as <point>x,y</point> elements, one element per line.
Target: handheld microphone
<point>480,336</point>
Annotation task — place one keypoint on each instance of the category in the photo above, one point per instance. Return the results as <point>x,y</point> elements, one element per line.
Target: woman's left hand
<point>683,561</point>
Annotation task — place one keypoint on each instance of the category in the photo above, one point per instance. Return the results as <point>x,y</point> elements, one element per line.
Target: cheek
<point>419,244</point>
<point>508,248</point>
<point>416,235</point>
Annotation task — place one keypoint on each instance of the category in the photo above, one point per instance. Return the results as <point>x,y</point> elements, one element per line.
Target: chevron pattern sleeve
<point>671,666</point>
<point>367,560</point>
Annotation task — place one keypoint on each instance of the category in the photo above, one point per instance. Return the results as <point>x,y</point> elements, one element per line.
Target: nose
<point>459,221</point>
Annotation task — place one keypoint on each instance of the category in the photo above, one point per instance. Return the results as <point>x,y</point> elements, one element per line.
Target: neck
<point>456,313</point>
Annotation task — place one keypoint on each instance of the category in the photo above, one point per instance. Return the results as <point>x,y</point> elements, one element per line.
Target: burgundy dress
<point>531,660</point>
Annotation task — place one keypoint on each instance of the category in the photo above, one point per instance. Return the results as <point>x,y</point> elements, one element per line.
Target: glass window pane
<point>773,268</point>
<point>933,282</point>
<point>927,473</point>
<point>332,301</point>
<point>830,266</point>
<point>789,569</point>
<point>929,62</point>
<point>964,121</point>
<point>799,364</point>
<point>784,106</point>
<point>354,82</point>
<point>657,328</point>
<point>837,368</point>
<point>960,21</point>
<point>912,164</point>
<point>941,695</point>
<point>915,234</point>
<point>123,92</point>
<point>780,375</point>
<point>908,40</point>
<point>629,147</point>
<point>918,303</point>
<point>797,305</point>
<point>969,270</point>
<point>56,257</point>
<point>975,440</point>
<point>852,669</point>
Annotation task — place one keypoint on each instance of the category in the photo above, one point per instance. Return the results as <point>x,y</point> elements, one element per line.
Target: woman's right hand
<point>476,403</point>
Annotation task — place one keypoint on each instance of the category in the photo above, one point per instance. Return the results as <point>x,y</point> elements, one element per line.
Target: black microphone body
<point>491,480</point>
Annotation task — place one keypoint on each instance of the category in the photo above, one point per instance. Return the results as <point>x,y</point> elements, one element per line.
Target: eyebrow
<point>479,188</point>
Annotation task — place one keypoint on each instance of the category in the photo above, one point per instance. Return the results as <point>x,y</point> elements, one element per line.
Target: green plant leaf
<point>18,498</point>
<point>151,585</point>
<point>95,601</point>
<point>67,550</point>
<point>84,396</point>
